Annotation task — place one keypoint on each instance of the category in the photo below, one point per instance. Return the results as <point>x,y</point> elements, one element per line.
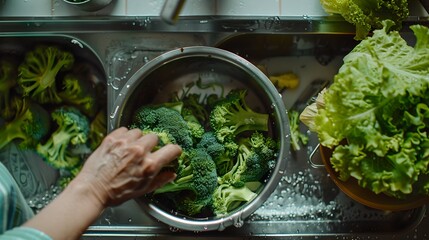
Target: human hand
<point>124,166</point>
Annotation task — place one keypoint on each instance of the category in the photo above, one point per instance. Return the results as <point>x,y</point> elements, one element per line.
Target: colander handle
<point>313,155</point>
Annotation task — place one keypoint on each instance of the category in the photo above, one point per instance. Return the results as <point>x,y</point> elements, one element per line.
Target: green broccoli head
<point>223,154</point>
<point>368,15</point>
<point>191,205</point>
<point>256,155</point>
<point>8,76</point>
<point>37,74</point>
<point>232,116</point>
<point>196,177</point>
<point>30,124</point>
<point>165,119</point>
<point>193,104</point>
<point>72,130</point>
<point>80,93</point>
<point>226,198</point>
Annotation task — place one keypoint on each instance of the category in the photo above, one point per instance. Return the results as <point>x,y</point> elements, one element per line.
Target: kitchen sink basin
<point>306,203</point>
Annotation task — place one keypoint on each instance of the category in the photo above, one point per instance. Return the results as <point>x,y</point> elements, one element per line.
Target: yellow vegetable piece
<point>287,80</point>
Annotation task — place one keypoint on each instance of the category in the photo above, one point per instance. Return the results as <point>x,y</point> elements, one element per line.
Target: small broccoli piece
<point>72,130</point>
<point>38,73</point>
<point>226,198</point>
<point>255,157</point>
<point>30,124</point>
<point>165,119</point>
<point>191,205</point>
<point>223,154</point>
<point>196,179</point>
<point>296,137</point>
<point>163,136</point>
<point>80,93</point>
<point>8,80</point>
<point>196,129</point>
<point>97,129</point>
<point>193,104</point>
<point>232,116</point>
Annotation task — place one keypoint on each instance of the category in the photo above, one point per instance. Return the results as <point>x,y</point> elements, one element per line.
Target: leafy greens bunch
<point>48,104</point>
<point>376,114</point>
<point>368,15</point>
<point>226,150</point>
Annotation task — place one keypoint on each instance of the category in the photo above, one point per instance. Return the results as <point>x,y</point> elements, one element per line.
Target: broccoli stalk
<point>227,198</point>
<point>296,137</point>
<point>30,124</point>
<point>8,76</point>
<point>232,116</point>
<point>72,130</point>
<point>37,74</point>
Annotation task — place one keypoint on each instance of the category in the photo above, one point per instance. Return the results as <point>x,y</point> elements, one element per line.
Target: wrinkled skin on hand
<point>124,166</point>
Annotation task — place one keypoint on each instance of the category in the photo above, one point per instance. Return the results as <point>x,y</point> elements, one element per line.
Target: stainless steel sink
<point>306,204</point>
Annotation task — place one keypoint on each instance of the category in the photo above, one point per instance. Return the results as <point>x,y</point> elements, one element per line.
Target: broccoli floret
<point>223,154</point>
<point>255,157</point>
<point>226,198</point>
<point>37,74</point>
<point>232,116</point>
<point>80,93</point>
<point>165,119</point>
<point>8,76</point>
<point>163,136</point>
<point>196,129</point>
<point>196,179</point>
<point>72,130</point>
<point>30,124</point>
<point>191,205</point>
<point>193,104</point>
<point>97,129</point>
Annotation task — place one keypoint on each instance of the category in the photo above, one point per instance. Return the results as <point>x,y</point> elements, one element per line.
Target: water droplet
<point>76,42</point>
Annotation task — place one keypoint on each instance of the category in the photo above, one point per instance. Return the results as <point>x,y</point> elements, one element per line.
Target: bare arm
<point>121,168</point>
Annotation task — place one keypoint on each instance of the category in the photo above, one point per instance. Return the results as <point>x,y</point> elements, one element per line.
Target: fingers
<point>148,141</point>
<point>167,154</point>
<point>160,180</point>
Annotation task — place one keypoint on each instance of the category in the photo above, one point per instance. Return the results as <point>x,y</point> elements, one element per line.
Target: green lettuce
<point>376,114</point>
<point>367,15</point>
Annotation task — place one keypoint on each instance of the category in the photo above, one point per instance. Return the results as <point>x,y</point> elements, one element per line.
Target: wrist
<point>87,191</point>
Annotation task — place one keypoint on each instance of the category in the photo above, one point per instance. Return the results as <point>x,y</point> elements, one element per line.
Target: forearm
<point>70,214</point>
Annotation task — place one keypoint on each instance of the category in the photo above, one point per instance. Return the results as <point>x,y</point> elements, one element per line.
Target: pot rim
<point>236,217</point>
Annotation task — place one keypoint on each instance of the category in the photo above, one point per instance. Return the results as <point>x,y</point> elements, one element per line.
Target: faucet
<point>171,10</point>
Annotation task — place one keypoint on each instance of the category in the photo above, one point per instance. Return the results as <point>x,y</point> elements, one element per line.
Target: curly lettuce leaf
<point>367,15</point>
<point>379,104</point>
